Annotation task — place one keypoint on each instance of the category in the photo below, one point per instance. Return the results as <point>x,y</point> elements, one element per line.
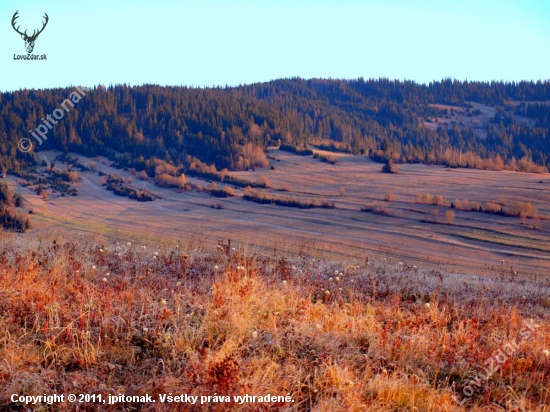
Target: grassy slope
<point>474,241</point>
<point>82,314</point>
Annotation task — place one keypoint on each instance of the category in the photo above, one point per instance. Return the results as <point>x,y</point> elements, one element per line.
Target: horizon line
<point>228,86</point>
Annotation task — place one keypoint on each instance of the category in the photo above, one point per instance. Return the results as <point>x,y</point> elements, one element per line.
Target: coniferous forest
<point>229,128</point>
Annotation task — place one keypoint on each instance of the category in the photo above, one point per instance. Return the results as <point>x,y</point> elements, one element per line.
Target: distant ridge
<point>230,127</point>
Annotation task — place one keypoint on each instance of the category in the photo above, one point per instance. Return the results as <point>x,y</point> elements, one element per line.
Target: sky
<point>216,43</point>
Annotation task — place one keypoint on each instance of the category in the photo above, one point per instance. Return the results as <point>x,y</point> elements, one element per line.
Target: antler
<point>34,36</point>
<point>15,16</point>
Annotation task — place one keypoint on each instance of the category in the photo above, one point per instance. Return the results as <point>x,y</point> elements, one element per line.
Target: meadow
<point>85,314</point>
<point>382,303</point>
<point>406,227</point>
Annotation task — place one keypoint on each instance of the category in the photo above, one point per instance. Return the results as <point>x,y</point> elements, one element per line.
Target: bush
<point>116,184</point>
<point>227,192</point>
<point>390,167</point>
<point>327,159</point>
<point>253,195</point>
<point>296,150</point>
<point>375,208</point>
<point>5,195</point>
<point>449,216</point>
<point>11,220</point>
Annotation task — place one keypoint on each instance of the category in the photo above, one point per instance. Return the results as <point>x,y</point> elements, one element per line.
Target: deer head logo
<point>29,40</point>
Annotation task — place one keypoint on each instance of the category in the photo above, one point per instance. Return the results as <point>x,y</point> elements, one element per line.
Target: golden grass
<point>335,336</point>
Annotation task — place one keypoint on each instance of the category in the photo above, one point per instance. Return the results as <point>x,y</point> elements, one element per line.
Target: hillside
<point>230,127</point>
<point>461,218</point>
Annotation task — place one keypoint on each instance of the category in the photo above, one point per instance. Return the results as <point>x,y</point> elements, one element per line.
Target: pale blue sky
<point>215,42</point>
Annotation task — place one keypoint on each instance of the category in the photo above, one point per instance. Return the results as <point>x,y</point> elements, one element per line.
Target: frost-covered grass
<point>82,314</point>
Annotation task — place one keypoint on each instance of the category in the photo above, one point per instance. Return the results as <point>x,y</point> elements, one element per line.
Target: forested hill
<point>230,127</point>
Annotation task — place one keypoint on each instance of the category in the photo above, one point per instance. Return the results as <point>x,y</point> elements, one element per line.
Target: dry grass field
<point>403,309</point>
<point>81,313</point>
<point>407,230</point>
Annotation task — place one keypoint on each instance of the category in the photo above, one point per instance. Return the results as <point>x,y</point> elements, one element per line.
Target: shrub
<point>11,220</point>
<point>166,180</point>
<point>296,150</point>
<point>5,195</point>
<point>327,159</point>
<point>375,208</point>
<point>449,216</point>
<point>390,167</point>
<point>253,195</point>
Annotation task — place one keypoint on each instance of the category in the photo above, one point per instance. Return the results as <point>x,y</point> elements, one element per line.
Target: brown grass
<point>343,230</point>
<point>338,336</point>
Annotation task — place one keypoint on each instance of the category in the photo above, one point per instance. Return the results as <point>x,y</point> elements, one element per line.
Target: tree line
<point>229,128</point>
